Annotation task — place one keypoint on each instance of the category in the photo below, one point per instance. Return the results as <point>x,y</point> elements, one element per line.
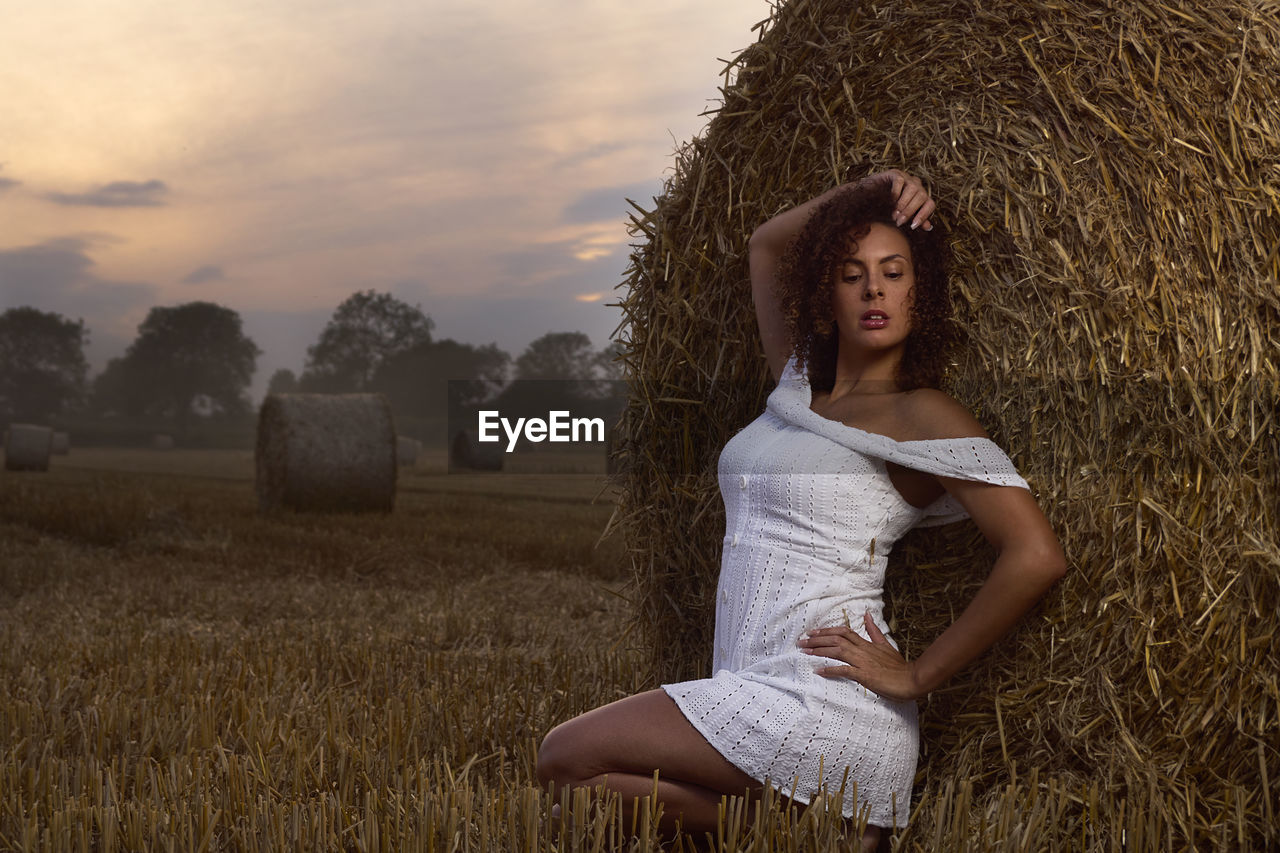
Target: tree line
<point>194,362</point>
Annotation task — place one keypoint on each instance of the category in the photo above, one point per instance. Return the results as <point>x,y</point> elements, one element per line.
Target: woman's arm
<point>770,240</point>
<point>1030,561</point>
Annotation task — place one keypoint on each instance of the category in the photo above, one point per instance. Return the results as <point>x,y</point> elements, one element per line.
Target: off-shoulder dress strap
<point>974,458</point>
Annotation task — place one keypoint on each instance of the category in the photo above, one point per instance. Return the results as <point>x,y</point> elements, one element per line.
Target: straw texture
<point>1110,175</point>
<point>326,452</point>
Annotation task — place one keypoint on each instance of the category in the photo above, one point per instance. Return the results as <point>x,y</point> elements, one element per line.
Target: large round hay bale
<point>61,443</point>
<point>466,451</point>
<point>27,447</point>
<point>407,451</point>
<point>326,452</point>
<point>161,441</point>
<point>615,459</point>
<point>1110,175</point>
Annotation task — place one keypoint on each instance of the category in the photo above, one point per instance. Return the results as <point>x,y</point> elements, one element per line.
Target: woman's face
<point>873,290</point>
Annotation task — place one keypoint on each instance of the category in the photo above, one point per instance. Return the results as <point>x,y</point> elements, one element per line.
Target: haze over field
<point>469,158</point>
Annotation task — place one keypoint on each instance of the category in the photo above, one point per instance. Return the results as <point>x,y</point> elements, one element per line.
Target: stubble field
<point>179,671</point>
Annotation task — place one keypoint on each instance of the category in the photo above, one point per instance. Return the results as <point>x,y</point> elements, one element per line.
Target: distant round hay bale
<point>1109,174</point>
<point>27,447</point>
<point>61,443</point>
<point>465,451</point>
<point>407,451</point>
<point>326,453</point>
<point>161,441</point>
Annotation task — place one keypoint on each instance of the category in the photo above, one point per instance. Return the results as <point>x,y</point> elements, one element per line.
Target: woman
<point>808,690</point>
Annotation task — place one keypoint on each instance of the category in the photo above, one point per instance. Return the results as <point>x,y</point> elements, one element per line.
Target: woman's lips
<point>875,320</point>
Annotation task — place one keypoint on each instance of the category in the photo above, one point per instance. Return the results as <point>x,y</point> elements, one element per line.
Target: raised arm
<point>770,240</point>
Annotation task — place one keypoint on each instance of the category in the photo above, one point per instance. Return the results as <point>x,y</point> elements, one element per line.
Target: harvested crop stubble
<point>27,447</point>
<point>311,683</point>
<point>326,452</point>
<point>1110,175</point>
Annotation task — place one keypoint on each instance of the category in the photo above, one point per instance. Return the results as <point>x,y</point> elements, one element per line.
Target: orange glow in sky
<point>473,159</point>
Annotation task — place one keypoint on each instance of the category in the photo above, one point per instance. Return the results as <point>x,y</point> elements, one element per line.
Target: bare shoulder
<point>935,414</point>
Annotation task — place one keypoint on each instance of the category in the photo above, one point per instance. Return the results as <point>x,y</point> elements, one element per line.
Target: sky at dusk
<point>274,157</point>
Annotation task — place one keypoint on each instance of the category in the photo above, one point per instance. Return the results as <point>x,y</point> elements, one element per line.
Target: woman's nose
<point>872,289</point>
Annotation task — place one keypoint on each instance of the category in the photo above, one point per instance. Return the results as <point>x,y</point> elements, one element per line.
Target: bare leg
<point>621,744</point>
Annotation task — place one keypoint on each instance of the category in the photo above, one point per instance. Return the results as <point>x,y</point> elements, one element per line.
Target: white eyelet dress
<point>811,516</point>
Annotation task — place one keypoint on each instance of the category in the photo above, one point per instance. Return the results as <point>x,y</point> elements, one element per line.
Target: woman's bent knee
<point>557,761</point>
<point>580,749</point>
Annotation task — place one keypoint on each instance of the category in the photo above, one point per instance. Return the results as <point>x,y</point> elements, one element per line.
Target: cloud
<point>513,321</point>
<point>609,204</point>
<point>206,273</point>
<point>57,275</point>
<point>578,159</point>
<point>117,194</point>
<point>8,184</point>
<point>514,314</point>
<point>486,148</point>
<point>590,262</point>
<point>29,271</point>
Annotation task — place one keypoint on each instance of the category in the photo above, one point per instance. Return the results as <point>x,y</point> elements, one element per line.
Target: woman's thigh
<point>638,734</point>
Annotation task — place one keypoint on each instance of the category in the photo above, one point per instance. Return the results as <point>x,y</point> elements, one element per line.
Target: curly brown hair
<point>806,279</point>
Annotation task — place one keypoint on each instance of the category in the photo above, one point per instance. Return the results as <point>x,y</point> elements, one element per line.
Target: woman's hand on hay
<point>914,204</point>
<point>874,663</point>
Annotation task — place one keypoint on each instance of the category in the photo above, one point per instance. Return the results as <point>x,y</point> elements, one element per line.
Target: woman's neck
<point>865,373</point>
